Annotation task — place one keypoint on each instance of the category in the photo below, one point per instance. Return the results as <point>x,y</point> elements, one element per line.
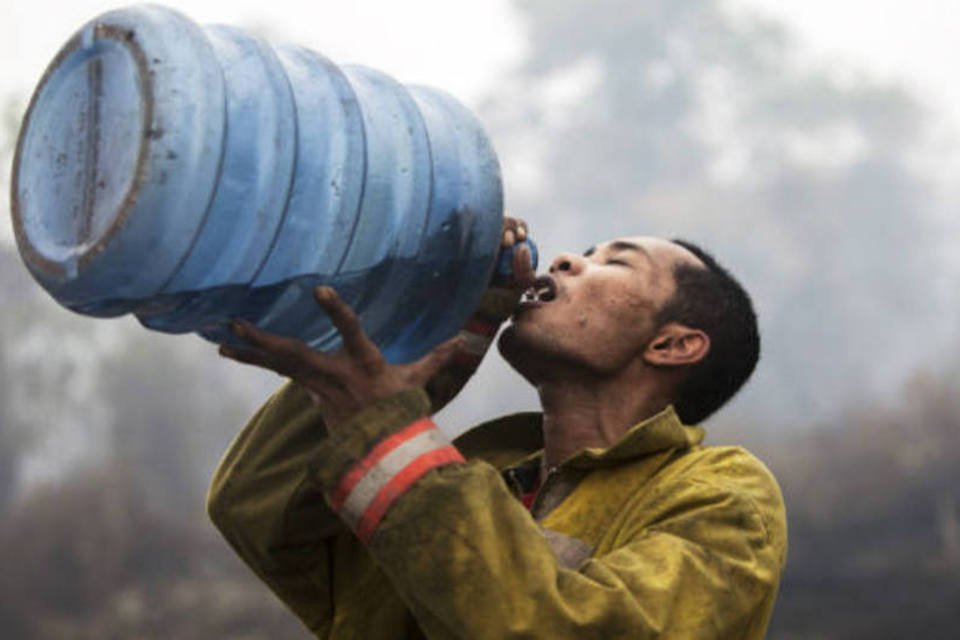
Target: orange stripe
<point>399,484</point>
<point>481,328</point>
<point>384,447</point>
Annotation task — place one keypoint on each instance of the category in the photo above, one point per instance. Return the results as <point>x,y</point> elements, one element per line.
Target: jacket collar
<point>518,438</point>
<point>657,433</point>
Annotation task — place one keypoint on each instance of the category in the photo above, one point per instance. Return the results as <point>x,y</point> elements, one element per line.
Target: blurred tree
<point>873,519</point>
<point>89,560</point>
<point>19,385</point>
<point>13,435</point>
<point>174,407</point>
<point>48,364</point>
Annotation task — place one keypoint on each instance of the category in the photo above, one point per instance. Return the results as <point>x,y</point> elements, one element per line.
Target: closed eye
<point>619,262</point>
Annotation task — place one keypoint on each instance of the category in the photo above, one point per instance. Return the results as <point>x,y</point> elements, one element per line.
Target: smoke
<point>819,188</point>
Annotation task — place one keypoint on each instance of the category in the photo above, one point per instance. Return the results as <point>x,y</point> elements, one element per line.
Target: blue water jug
<point>191,175</point>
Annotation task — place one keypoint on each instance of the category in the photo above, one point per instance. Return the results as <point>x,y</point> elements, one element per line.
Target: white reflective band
<point>380,474</point>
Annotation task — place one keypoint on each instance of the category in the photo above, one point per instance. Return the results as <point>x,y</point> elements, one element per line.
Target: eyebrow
<point>621,245</point>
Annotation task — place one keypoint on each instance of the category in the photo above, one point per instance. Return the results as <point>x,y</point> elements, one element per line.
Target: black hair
<point>711,300</point>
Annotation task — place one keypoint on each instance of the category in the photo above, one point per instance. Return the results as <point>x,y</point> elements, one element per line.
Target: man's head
<point>662,311</point>
<point>710,299</point>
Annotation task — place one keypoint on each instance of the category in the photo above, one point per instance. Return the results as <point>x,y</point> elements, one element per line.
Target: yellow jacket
<point>655,537</point>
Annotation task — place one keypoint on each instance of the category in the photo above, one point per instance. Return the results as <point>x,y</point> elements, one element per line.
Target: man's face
<point>594,311</point>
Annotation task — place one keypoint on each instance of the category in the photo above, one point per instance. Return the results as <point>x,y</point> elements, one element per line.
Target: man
<point>602,517</point>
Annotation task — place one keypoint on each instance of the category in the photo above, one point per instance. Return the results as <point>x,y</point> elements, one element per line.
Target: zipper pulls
<point>514,483</point>
<point>542,491</point>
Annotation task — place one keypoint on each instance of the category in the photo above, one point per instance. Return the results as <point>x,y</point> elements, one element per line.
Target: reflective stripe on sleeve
<point>388,470</point>
<point>478,336</point>
<point>478,327</point>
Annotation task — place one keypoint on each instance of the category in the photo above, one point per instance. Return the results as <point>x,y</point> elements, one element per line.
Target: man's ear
<point>677,345</point>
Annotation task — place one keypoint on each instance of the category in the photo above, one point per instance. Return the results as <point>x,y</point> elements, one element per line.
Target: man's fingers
<point>286,356</point>
<point>247,356</point>
<point>514,230</point>
<point>514,235</point>
<point>429,365</point>
<point>523,273</point>
<point>355,340</point>
<point>264,340</point>
<point>286,366</point>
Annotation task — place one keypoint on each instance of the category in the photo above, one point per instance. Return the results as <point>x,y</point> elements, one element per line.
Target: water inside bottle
<point>404,322</point>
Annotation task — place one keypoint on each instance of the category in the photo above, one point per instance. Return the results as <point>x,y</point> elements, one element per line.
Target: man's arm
<point>264,496</point>
<point>266,503</point>
<point>496,305</point>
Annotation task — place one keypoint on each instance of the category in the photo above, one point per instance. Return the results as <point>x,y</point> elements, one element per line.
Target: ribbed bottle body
<point>192,175</point>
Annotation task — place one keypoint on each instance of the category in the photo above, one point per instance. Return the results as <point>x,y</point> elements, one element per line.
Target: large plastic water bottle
<point>191,175</point>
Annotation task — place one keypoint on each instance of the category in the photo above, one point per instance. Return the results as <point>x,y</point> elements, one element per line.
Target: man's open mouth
<point>544,289</point>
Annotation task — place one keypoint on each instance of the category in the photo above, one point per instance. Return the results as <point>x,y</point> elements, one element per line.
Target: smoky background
<point>831,193</point>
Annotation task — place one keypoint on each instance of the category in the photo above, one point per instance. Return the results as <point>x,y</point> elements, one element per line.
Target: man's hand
<point>514,232</point>
<point>342,383</point>
<point>502,295</point>
<point>496,305</point>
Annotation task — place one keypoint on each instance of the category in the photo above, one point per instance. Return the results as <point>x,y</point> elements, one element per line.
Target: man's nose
<point>570,263</point>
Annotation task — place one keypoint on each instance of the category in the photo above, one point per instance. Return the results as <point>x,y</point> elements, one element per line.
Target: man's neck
<point>579,414</point>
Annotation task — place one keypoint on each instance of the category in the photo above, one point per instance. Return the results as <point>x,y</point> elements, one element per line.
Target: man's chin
<point>521,353</point>
<point>507,343</point>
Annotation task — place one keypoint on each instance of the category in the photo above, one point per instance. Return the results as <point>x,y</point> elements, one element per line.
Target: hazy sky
<point>457,45</point>
<point>462,46</point>
<point>915,43</point>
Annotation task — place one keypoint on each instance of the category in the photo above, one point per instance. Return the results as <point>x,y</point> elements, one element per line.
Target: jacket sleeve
<point>265,497</point>
<point>265,502</point>
<point>470,561</point>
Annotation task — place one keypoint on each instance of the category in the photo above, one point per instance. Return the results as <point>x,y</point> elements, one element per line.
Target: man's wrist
<point>497,305</point>
<point>378,455</point>
<point>478,334</point>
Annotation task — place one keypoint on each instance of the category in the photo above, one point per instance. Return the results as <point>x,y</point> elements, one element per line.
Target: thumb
<point>429,365</point>
<point>523,272</point>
